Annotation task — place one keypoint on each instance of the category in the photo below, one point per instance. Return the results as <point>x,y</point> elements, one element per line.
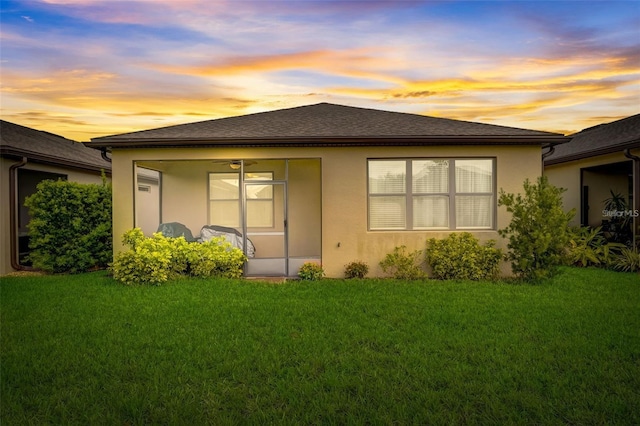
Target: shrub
<point>216,257</point>
<point>148,261</point>
<point>70,227</point>
<point>589,247</point>
<point>620,224</point>
<point>403,265</point>
<point>538,232</point>
<point>311,271</point>
<point>157,259</point>
<point>356,270</point>
<point>460,256</point>
<point>628,260</point>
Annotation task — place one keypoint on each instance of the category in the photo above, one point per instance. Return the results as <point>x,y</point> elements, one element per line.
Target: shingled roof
<point>599,140</point>
<point>328,125</point>
<point>18,141</point>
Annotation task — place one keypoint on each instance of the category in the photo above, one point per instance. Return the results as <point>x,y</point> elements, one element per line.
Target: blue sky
<point>87,68</point>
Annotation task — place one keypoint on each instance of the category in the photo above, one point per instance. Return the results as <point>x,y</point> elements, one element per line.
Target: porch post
<point>636,195</point>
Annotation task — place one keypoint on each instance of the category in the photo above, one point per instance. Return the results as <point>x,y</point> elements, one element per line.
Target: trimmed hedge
<point>460,256</point>
<point>70,227</point>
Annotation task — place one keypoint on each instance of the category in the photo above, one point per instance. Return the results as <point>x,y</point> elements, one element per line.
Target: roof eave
<point>10,152</point>
<point>634,144</point>
<point>544,140</point>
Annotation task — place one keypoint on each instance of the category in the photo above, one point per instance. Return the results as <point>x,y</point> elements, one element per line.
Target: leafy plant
<point>356,270</point>
<point>627,260</point>
<point>616,202</point>
<point>217,258</point>
<point>157,259</point>
<point>404,265</point>
<point>460,256</point>
<point>311,271</point>
<point>618,226</point>
<point>70,227</point>
<point>538,231</point>
<point>147,262</point>
<point>589,247</point>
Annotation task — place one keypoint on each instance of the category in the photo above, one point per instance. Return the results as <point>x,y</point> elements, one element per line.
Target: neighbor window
<point>225,201</point>
<point>410,194</point>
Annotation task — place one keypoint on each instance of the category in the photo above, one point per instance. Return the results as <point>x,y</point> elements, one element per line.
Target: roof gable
<point>320,123</point>
<point>599,140</point>
<point>20,141</point>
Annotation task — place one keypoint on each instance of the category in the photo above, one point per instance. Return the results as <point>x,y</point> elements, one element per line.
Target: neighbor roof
<point>18,141</point>
<point>599,140</point>
<point>329,125</point>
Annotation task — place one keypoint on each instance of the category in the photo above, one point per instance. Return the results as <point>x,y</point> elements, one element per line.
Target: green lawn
<point>85,350</point>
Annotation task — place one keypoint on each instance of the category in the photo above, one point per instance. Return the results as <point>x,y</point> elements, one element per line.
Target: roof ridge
<point>588,129</point>
<point>44,132</point>
<point>326,118</point>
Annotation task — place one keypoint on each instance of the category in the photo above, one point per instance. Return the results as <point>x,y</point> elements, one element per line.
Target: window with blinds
<point>413,194</point>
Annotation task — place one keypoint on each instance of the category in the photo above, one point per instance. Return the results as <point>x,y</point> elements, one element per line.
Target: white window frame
<point>409,195</point>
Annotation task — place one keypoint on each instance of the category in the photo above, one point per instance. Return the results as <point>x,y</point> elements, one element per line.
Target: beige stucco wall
<point>567,176</point>
<point>5,164</point>
<point>345,237</point>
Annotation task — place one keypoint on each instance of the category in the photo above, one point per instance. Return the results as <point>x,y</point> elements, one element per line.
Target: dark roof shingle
<point>324,121</point>
<point>599,140</point>
<point>20,141</point>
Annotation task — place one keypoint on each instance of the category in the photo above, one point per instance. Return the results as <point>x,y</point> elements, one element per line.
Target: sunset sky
<point>88,68</point>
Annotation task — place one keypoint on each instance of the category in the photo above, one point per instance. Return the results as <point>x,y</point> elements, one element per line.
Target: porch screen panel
<point>260,203</point>
<point>387,194</point>
<point>260,206</point>
<point>224,199</point>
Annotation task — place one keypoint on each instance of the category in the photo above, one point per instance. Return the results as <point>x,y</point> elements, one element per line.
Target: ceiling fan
<point>235,164</point>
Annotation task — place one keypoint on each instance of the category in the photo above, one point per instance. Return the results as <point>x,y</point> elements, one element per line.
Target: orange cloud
<point>350,63</point>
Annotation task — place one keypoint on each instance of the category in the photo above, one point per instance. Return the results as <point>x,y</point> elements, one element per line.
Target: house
<point>327,183</point>
<point>598,163</point>
<point>29,156</point>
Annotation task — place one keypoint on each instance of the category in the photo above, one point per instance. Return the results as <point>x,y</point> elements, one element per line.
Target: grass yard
<point>85,350</point>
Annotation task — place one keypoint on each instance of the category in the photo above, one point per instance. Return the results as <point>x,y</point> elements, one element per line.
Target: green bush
<point>157,259</point>
<point>311,271</point>
<point>70,227</point>
<point>403,265</point>
<point>628,260</point>
<point>356,270</point>
<point>589,247</point>
<point>214,258</point>
<point>148,261</point>
<point>538,233</point>
<point>460,256</point>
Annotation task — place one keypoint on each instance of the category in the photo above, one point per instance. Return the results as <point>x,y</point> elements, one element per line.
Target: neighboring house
<point>27,157</point>
<point>328,183</point>
<point>599,161</point>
